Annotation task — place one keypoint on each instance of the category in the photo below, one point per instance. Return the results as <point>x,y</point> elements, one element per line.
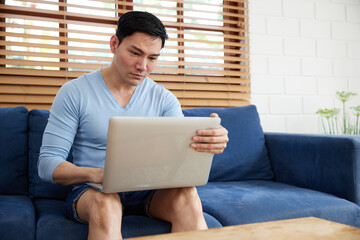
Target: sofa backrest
<point>38,188</point>
<point>245,157</point>
<point>13,150</point>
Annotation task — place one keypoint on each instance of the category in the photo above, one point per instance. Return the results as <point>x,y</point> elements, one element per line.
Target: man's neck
<point>114,82</point>
<point>121,91</point>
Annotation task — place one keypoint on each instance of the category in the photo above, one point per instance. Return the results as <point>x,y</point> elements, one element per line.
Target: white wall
<point>301,53</point>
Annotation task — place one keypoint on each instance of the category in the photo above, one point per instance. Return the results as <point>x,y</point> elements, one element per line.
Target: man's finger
<point>215,115</point>
<point>213,132</point>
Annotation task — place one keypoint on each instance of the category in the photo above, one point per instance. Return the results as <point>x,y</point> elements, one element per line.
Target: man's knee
<point>105,201</point>
<point>107,204</point>
<point>187,199</point>
<point>102,208</point>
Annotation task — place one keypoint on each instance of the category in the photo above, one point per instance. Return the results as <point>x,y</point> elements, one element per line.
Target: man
<point>79,120</point>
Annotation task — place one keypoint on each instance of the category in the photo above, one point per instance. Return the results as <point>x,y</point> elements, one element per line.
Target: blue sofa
<point>259,177</point>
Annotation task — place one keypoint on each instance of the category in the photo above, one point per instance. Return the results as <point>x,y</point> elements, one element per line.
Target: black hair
<point>137,21</point>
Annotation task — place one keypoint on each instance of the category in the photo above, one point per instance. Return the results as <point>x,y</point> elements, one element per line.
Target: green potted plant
<point>333,123</point>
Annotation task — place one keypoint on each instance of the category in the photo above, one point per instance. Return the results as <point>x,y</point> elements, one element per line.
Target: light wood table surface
<point>293,229</point>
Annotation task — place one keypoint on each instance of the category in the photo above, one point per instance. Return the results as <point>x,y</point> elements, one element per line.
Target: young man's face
<point>135,57</point>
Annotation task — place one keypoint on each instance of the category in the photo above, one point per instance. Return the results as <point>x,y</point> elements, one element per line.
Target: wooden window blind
<point>45,43</point>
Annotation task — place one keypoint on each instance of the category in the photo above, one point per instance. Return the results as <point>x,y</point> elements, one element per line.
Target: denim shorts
<point>134,203</point>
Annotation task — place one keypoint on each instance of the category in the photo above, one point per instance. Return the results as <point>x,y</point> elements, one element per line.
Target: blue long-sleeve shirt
<point>79,118</point>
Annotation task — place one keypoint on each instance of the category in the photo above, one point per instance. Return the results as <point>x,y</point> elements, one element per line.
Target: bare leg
<point>181,207</point>
<point>103,212</point>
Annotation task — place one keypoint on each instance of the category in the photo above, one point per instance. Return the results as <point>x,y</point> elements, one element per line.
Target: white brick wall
<point>277,26</point>
<point>330,11</point>
<point>300,85</point>
<point>284,66</point>
<point>315,29</point>
<point>285,105</point>
<point>301,53</point>
<point>300,47</point>
<point>299,9</point>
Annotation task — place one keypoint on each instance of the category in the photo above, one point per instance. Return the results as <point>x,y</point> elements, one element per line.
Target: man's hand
<point>212,140</point>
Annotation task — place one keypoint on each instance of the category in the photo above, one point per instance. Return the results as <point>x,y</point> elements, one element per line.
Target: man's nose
<point>141,64</point>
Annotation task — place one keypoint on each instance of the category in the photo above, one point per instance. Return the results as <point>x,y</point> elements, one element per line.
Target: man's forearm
<point>69,174</point>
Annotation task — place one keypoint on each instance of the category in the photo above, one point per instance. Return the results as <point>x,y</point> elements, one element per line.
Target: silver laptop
<point>154,153</point>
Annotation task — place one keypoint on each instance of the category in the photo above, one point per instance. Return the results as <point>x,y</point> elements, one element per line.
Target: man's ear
<point>114,42</point>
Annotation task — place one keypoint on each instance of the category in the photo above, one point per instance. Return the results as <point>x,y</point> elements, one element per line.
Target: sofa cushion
<point>13,148</point>
<point>38,188</point>
<point>258,201</point>
<point>137,226</point>
<point>52,222</point>
<point>17,218</point>
<point>327,163</point>
<point>245,157</point>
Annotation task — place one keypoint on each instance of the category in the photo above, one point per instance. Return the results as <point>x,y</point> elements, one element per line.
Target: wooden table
<point>293,229</point>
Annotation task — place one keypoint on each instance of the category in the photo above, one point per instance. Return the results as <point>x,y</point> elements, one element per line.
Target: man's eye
<point>134,53</point>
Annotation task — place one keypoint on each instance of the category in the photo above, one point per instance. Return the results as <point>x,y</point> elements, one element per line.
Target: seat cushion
<point>245,202</point>
<point>17,218</point>
<point>137,226</point>
<point>13,148</point>
<point>245,157</point>
<point>38,188</point>
<point>52,222</point>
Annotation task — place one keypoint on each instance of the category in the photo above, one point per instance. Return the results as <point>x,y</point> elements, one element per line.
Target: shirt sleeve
<point>60,131</point>
<point>171,105</point>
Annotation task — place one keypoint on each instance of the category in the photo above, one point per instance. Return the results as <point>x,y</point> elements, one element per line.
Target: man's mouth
<point>139,76</point>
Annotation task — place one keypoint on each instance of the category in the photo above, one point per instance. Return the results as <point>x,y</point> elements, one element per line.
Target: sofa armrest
<point>326,163</point>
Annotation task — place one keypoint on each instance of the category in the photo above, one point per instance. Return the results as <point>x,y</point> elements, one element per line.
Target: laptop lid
<point>154,153</point>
